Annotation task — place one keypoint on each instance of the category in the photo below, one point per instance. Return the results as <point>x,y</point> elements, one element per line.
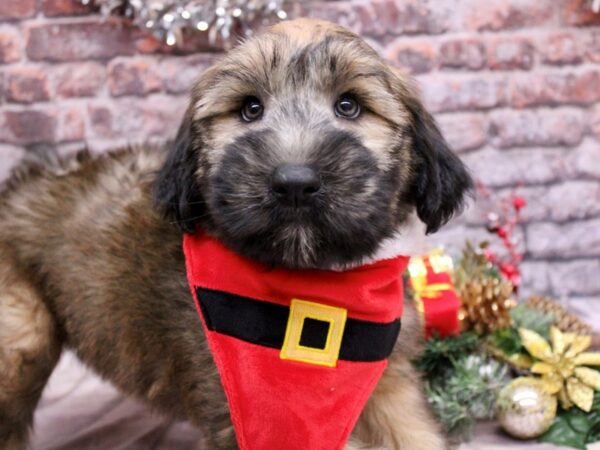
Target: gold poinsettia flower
<point>562,365</point>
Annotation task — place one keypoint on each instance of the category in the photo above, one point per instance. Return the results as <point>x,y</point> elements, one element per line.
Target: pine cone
<point>564,320</point>
<point>486,304</point>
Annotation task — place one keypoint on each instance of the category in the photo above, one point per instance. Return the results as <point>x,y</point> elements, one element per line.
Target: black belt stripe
<point>264,323</point>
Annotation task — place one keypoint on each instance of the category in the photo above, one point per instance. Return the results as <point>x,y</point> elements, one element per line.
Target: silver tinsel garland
<point>221,19</point>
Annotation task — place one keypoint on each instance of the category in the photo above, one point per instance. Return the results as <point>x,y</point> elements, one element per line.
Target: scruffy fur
<point>90,248</point>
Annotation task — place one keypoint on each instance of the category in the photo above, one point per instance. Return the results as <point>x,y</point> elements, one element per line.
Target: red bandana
<point>299,351</point>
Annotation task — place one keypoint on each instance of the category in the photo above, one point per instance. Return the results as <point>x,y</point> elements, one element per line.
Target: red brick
<point>566,201</point>
<point>462,93</point>
<point>27,126</point>
<point>179,74</point>
<point>413,57</point>
<point>83,79</point>
<point>54,8</point>
<point>101,120</point>
<point>500,168</point>
<point>579,13</point>
<point>556,89</point>
<point>565,241</point>
<point>71,125</point>
<point>191,43</point>
<point>562,48</point>
<point>495,15</point>
<point>595,121</point>
<point>143,118</point>
<point>535,278</point>
<point>381,17</point>
<point>464,131</point>
<point>573,200</point>
<point>510,53</point>
<point>80,40</point>
<point>17,9</point>
<point>592,48</point>
<point>556,127</point>
<point>9,47</point>
<point>462,54</point>
<point>27,85</point>
<point>132,77</point>
<point>583,162</point>
<point>575,277</point>
<point>340,12</point>
<point>150,44</point>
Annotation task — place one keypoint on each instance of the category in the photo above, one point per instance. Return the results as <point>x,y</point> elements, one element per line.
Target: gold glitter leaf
<point>553,383</point>
<point>565,403</point>
<point>580,343</point>
<point>542,368</point>
<point>587,359</point>
<point>536,345</point>
<point>588,376</point>
<point>580,394</point>
<point>558,341</point>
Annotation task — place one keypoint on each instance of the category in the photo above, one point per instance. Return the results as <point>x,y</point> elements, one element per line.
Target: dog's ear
<point>176,189</point>
<point>441,181</point>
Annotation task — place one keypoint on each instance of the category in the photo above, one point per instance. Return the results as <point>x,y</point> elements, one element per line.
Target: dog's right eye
<point>347,107</point>
<point>252,109</point>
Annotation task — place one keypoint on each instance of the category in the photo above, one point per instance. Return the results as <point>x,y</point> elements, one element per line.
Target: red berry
<point>519,202</point>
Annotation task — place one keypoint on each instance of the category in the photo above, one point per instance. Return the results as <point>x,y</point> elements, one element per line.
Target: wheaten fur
<point>90,247</point>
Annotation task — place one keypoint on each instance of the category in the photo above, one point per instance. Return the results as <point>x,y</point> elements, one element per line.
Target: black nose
<point>295,185</point>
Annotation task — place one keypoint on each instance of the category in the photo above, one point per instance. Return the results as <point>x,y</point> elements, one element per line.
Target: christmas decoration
<point>474,263</point>
<point>502,221</point>
<point>575,428</point>
<point>486,298</point>
<point>506,345</point>
<point>526,316</point>
<point>503,339</point>
<point>168,20</point>
<point>462,383</point>
<point>486,304</point>
<point>563,319</point>
<point>434,293</point>
<point>439,355</point>
<point>563,366</point>
<point>525,409</point>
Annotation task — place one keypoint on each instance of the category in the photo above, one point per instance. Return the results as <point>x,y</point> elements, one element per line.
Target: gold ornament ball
<point>524,409</point>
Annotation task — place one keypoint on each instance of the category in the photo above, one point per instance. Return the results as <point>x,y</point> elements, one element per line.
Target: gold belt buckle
<point>300,310</point>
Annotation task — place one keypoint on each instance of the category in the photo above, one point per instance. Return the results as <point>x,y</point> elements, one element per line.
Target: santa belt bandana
<point>299,351</point>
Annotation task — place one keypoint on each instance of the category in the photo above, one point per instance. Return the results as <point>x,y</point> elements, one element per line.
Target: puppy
<point>91,254</point>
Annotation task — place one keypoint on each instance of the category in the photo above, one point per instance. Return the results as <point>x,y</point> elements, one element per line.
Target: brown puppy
<point>89,260</point>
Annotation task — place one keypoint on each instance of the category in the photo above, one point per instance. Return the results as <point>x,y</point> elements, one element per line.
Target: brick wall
<point>515,85</point>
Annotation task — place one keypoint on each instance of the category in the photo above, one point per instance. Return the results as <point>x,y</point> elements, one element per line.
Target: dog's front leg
<point>396,416</point>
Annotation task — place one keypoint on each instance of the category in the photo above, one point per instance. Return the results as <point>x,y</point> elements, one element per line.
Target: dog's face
<point>302,148</point>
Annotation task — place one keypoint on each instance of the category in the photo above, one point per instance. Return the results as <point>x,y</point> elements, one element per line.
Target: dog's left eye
<point>347,107</point>
<point>252,109</point>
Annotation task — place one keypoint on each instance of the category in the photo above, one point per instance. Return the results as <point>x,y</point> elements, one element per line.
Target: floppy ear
<point>176,189</point>
<point>441,180</point>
